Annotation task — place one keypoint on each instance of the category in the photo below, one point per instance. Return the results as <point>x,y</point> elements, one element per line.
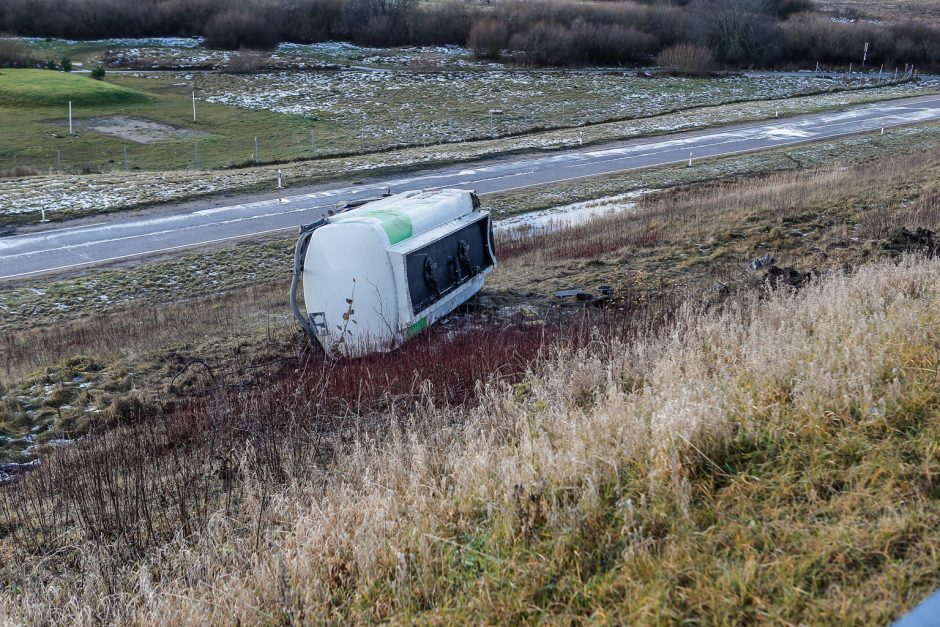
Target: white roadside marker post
<point>690,158</point>
<point>279,186</point>
<point>70,117</point>
<point>580,138</point>
<point>493,112</point>
<point>777,112</point>
<point>43,210</point>
<point>882,130</point>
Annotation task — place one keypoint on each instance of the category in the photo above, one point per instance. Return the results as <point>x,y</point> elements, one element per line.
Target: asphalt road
<point>130,235</point>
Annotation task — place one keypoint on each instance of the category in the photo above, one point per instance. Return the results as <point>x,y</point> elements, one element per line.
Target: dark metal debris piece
<point>573,293</point>
<point>760,262</point>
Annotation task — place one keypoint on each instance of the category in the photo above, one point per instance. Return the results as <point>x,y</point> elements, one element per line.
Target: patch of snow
<point>566,216</point>
<point>785,133</point>
<point>158,42</point>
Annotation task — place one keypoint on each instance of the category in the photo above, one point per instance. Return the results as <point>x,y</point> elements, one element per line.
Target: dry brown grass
<point>772,463</point>
<point>146,329</point>
<point>696,236</point>
<point>771,460</point>
<point>891,11</point>
<point>686,58</point>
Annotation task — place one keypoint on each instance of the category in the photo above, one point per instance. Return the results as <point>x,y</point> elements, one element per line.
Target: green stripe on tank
<point>397,224</point>
<point>417,327</point>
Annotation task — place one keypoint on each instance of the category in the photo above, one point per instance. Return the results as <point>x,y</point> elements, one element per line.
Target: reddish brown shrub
<point>488,38</point>
<point>686,58</point>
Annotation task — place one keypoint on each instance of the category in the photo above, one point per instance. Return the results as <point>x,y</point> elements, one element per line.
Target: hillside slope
<point>775,462</point>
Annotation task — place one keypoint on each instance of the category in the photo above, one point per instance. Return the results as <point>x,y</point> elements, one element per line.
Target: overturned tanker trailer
<point>381,272</point>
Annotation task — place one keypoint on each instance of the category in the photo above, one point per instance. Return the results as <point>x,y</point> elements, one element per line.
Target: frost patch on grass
<point>566,216</point>
<point>400,107</point>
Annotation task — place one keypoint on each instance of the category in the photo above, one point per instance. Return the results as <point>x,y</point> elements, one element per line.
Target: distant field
<point>403,107</point>
<point>898,10</point>
<point>74,196</point>
<point>381,99</point>
<point>34,125</point>
<point>188,53</point>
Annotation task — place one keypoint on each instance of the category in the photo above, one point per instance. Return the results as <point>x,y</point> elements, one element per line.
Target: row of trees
<point>737,33</point>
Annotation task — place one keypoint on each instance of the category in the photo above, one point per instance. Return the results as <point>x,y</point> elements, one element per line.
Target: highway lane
<point>130,235</point>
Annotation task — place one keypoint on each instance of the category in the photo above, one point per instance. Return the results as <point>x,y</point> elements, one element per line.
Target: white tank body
<point>376,275</point>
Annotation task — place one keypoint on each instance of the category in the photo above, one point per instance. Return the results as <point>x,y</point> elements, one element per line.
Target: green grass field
<point>46,88</point>
<point>34,125</point>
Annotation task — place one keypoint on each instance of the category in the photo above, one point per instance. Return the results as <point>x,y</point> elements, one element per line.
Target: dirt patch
<point>138,130</point>
<point>777,276</point>
<point>919,240</point>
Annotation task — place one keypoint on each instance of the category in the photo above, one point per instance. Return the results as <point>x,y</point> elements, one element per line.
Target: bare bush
<point>18,172</point>
<point>583,43</point>
<point>436,24</point>
<point>610,44</point>
<point>488,38</point>
<point>809,38</point>
<point>687,58</point>
<point>245,62</point>
<point>13,53</point>
<point>238,28</point>
<point>739,33</point>
<point>423,63</point>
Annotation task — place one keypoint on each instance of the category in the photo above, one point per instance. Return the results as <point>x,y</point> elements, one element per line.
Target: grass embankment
<point>773,463</point>
<point>699,237</point>
<point>22,89</point>
<point>761,456</point>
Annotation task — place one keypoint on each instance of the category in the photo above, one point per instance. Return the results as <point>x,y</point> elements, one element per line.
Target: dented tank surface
<point>375,274</point>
